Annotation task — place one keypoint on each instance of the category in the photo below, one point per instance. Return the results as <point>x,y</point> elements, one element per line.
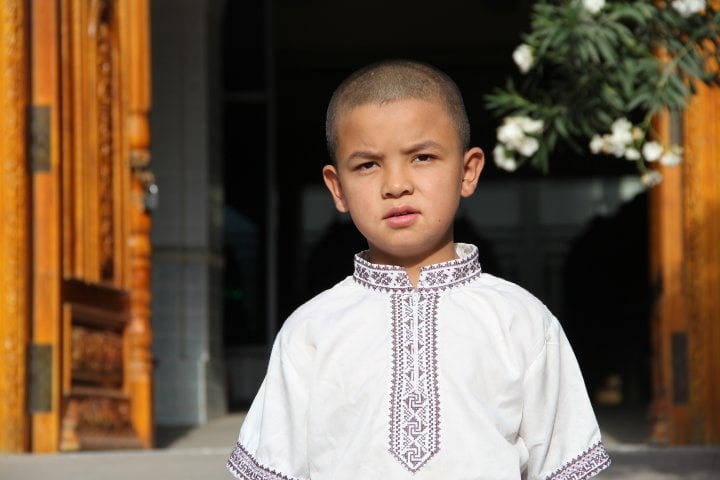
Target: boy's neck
<point>413,266</point>
<point>413,274</point>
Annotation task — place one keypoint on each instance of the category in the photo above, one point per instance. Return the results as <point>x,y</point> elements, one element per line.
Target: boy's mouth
<point>401,216</point>
<point>399,212</point>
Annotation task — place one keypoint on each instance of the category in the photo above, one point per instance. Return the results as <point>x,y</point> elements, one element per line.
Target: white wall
<point>187,226</point>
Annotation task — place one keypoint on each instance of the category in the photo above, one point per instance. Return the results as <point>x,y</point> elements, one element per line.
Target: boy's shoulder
<point>322,306</point>
<point>511,306</point>
<point>329,299</point>
<point>507,294</point>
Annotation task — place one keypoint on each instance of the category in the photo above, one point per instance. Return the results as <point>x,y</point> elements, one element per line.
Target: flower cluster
<point>524,54</point>
<point>517,135</point>
<point>609,48</point>
<point>628,141</point>
<point>688,7</point>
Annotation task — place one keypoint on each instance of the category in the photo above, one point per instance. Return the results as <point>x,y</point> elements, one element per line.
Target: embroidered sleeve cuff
<point>245,467</point>
<point>588,464</point>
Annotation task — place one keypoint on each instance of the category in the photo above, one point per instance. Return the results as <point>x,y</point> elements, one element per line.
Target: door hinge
<point>40,138</point>
<point>40,371</point>
<point>680,368</point>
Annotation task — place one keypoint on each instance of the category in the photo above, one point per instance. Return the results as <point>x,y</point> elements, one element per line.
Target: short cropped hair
<point>392,80</point>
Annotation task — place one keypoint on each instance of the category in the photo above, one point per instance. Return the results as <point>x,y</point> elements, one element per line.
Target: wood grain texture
<point>685,260</point>
<point>139,334</point>
<point>14,224</point>
<point>106,233</point>
<point>45,217</point>
<point>702,274</point>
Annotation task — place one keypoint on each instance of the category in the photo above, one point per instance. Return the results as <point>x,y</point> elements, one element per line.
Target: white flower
<point>621,131</point>
<point>614,146</point>
<point>597,144</point>
<point>688,7</point>
<point>620,137</point>
<point>510,134</point>
<point>651,178</point>
<point>526,124</point>
<point>523,57</point>
<point>528,146</point>
<point>632,154</point>
<point>514,135</point>
<point>503,160</point>
<point>593,6</point>
<point>529,125</point>
<point>652,151</point>
<point>672,157</point>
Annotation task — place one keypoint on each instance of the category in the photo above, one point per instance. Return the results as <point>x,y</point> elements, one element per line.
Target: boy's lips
<point>399,217</point>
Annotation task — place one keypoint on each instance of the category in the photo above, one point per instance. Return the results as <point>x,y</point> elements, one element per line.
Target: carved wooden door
<point>90,357</point>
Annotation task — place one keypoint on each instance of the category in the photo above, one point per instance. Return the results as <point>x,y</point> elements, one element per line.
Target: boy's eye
<point>366,166</point>
<point>423,157</point>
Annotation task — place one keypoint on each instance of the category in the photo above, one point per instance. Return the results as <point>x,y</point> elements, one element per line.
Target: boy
<point>418,366</point>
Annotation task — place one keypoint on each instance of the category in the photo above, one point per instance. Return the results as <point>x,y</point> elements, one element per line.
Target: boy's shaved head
<point>393,80</point>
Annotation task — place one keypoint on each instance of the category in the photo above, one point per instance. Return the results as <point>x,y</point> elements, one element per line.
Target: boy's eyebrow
<point>364,155</point>
<point>422,146</point>
<point>417,147</point>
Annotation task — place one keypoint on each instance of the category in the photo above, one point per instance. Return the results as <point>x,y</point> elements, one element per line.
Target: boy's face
<point>400,173</point>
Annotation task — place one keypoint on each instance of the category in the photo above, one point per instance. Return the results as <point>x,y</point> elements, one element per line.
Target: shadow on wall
<point>607,309</point>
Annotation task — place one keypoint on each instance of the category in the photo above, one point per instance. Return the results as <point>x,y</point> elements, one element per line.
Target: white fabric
<point>466,377</point>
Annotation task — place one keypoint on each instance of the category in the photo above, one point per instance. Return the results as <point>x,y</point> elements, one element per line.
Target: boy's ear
<point>473,163</point>
<point>332,182</point>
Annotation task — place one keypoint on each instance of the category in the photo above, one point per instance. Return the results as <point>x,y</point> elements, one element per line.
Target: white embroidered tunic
<point>466,376</point>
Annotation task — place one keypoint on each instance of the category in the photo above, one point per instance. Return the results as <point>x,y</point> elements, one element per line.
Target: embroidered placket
<point>415,402</point>
<point>414,395</point>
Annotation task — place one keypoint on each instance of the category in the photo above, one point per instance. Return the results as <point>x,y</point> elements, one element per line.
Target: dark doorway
<point>607,305</point>
<point>307,49</point>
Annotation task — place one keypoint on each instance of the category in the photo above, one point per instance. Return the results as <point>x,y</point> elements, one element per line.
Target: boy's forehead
<point>417,117</point>
<point>409,103</point>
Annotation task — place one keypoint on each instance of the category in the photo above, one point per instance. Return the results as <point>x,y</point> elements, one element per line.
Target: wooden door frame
<point>685,268</point>
<point>135,34</point>
<point>45,213</point>
<point>14,227</point>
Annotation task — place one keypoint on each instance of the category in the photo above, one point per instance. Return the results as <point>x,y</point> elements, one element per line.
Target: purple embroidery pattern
<point>414,394</point>
<point>243,465</point>
<point>438,277</point>
<point>415,399</point>
<point>586,465</point>
<point>380,277</point>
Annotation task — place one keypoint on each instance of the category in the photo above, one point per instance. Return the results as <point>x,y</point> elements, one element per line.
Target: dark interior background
<point>281,61</point>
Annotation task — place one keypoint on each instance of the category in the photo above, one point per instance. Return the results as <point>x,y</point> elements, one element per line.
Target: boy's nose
<point>396,184</point>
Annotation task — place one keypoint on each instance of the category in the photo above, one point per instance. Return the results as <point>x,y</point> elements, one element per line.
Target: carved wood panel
<point>106,337</point>
<point>95,176</point>
<point>97,409</point>
<point>74,280</point>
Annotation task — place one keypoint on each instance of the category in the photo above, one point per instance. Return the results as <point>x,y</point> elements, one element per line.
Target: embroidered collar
<point>439,276</point>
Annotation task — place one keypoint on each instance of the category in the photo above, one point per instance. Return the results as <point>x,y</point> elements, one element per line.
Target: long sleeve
<point>558,427</point>
<point>272,443</point>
